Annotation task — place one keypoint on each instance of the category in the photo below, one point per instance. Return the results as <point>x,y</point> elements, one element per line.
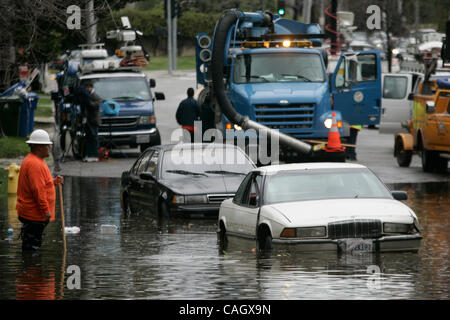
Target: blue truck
<point>125,88</point>
<point>262,70</point>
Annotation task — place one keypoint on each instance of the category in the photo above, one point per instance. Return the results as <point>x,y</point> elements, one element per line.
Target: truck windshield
<point>122,88</point>
<point>278,67</point>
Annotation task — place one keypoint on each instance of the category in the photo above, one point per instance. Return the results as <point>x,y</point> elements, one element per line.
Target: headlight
<point>309,232</point>
<point>312,232</point>
<point>147,119</point>
<point>196,199</point>
<point>178,199</point>
<point>328,122</point>
<point>397,228</point>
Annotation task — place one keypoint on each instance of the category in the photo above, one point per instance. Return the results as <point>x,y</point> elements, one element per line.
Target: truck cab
<point>429,128</point>
<point>276,75</point>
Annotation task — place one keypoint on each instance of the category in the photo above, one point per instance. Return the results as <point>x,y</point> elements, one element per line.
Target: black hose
<point>217,67</point>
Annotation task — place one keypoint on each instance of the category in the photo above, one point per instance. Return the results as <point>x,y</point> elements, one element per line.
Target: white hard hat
<point>39,136</point>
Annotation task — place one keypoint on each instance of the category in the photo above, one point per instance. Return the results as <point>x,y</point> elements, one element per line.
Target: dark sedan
<point>187,180</point>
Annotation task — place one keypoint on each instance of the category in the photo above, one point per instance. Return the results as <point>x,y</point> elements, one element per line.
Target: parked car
<point>319,206</point>
<point>187,180</point>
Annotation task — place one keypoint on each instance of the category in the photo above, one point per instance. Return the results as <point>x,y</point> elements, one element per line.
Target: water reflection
<point>181,259</point>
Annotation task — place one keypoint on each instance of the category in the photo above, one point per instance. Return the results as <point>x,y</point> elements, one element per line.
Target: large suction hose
<point>217,68</point>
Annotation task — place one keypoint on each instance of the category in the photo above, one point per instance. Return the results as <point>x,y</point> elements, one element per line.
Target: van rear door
<point>396,106</point>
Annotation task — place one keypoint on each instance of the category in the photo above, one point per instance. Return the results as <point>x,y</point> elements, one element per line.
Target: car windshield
<point>205,162</point>
<point>278,67</point>
<point>286,186</point>
<point>122,88</point>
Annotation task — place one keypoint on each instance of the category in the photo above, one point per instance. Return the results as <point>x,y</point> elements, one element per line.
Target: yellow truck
<point>429,130</point>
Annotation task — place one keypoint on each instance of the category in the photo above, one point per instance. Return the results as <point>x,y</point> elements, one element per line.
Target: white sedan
<point>319,206</point>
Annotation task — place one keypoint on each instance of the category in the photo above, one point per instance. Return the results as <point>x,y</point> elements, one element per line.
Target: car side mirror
<point>152,83</point>
<point>160,96</point>
<point>400,195</point>
<point>411,96</point>
<point>147,176</point>
<point>430,107</point>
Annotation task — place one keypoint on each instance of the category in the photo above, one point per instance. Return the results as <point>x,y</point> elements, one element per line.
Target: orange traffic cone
<point>334,139</point>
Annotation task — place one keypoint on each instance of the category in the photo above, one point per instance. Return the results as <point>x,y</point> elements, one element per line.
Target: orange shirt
<point>36,193</point>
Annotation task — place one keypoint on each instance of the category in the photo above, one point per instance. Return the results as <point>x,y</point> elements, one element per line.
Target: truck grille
<point>295,116</point>
<point>358,228</point>
<point>125,122</point>
<point>218,198</point>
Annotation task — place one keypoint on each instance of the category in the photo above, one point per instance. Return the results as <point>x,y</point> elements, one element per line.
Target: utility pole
<point>306,15</point>
<point>169,35</point>
<point>91,31</point>
<point>174,39</point>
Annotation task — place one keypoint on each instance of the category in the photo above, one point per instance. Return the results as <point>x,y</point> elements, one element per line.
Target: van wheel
<point>403,156</point>
<point>429,159</point>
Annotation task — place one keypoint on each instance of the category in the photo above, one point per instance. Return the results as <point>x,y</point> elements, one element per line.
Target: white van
<point>396,107</point>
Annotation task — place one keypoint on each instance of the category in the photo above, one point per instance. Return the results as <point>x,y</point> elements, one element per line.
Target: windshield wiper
<point>259,77</point>
<point>224,172</point>
<point>187,172</point>
<point>298,76</point>
<point>127,98</point>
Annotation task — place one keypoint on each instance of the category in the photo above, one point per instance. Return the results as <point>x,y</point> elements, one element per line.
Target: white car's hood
<point>321,212</point>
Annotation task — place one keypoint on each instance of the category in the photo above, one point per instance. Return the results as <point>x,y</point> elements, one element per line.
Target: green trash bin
<point>10,115</point>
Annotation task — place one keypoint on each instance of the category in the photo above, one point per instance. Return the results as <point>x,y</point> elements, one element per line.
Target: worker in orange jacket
<point>36,191</point>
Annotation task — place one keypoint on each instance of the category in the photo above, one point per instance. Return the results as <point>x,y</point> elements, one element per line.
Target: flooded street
<point>146,259</point>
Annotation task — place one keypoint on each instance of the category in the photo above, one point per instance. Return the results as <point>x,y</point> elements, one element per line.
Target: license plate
<point>143,139</point>
<point>356,245</point>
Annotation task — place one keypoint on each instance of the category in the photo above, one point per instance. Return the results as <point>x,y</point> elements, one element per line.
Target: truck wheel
<point>441,165</point>
<point>429,159</point>
<point>403,156</point>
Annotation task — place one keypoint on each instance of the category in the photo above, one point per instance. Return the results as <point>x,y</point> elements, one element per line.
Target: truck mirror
<point>160,96</point>
<point>411,96</point>
<point>430,107</point>
<point>152,83</point>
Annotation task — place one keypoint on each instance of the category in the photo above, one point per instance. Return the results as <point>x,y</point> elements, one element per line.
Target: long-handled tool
<point>62,216</point>
<point>63,271</point>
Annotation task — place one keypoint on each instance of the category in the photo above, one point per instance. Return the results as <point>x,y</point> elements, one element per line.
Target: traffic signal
<point>281,7</point>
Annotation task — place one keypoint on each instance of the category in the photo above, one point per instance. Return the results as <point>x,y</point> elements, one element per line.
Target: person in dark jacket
<point>188,112</point>
<point>207,115</point>
<point>92,109</point>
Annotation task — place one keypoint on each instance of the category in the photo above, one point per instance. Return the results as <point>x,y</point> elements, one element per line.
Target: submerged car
<point>319,206</point>
<point>186,180</point>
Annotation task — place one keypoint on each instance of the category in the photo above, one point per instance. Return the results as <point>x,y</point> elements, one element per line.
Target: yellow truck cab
<point>429,130</point>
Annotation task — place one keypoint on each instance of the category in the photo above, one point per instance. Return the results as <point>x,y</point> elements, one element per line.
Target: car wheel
<point>127,206</point>
<point>403,156</point>
<point>265,242</point>
<point>222,234</point>
<point>164,210</point>
<point>428,160</point>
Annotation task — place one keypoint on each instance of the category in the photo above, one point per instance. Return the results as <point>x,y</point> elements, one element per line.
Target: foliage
<point>11,147</point>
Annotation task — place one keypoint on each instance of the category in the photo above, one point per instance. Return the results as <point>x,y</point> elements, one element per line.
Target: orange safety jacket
<point>36,193</point>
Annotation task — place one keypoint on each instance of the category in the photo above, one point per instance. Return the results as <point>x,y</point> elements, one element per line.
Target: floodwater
<point>181,259</point>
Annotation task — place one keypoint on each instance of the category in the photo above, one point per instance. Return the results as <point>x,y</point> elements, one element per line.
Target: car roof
<point>167,147</point>
<point>112,75</point>
<point>308,166</point>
